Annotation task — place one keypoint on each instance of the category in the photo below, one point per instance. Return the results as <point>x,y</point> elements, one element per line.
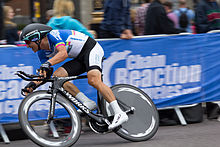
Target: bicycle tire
<point>37,96</point>
<point>144,122</point>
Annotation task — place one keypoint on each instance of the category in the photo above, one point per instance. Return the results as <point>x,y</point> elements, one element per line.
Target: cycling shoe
<point>119,119</point>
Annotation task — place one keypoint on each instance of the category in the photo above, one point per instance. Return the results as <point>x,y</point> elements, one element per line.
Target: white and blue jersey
<point>72,40</point>
<point>87,54</point>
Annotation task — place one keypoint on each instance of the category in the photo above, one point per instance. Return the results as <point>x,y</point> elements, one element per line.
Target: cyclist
<point>54,46</point>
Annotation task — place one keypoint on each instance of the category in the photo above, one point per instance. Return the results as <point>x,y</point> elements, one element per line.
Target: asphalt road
<point>205,134</point>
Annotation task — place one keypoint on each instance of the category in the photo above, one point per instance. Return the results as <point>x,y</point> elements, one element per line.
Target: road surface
<point>205,134</point>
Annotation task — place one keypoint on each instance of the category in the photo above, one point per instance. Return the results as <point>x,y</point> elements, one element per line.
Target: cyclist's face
<point>32,45</point>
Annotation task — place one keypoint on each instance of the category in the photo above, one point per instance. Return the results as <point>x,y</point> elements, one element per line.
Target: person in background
<point>10,28</point>
<point>133,15</point>
<point>49,14</point>
<point>190,15</point>
<point>117,21</point>
<point>140,17</point>
<point>170,14</point>
<point>63,17</point>
<point>207,16</point>
<point>157,22</point>
<point>1,23</point>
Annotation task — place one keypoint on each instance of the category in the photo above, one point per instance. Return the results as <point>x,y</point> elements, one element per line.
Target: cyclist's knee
<point>92,81</point>
<point>60,72</point>
<point>94,78</point>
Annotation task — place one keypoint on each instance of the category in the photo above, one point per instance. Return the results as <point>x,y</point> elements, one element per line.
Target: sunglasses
<point>33,38</point>
<point>27,41</point>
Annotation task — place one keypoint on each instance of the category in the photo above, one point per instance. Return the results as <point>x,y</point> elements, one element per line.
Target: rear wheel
<point>144,122</point>
<point>63,131</point>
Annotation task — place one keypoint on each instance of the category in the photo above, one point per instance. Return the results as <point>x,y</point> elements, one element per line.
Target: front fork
<point>52,106</point>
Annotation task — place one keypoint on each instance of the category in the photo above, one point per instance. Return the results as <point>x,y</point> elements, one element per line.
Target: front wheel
<point>33,112</point>
<point>144,122</point>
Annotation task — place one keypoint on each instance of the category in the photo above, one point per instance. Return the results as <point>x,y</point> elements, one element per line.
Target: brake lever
<point>33,76</point>
<point>20,74</point>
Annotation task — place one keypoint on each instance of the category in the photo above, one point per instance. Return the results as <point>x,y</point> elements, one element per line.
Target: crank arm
<point>130,111</point>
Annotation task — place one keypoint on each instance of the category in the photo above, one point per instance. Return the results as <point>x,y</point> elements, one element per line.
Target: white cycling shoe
<point>90,105</point>
<point>119,119</point>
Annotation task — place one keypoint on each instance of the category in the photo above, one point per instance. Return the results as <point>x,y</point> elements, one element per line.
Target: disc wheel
<point>144,122</point>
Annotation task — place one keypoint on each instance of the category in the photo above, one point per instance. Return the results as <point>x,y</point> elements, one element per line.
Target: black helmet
<point>34,32</point>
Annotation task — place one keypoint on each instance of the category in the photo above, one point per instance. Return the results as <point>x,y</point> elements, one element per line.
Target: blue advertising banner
<point>172,70</point>
<point>23,59</point>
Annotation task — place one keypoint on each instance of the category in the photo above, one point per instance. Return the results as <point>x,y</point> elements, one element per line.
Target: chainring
<point>100,128</point>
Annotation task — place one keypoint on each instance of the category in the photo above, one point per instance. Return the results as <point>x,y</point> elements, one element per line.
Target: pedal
<point>130,111</point>
<point>107,121</point>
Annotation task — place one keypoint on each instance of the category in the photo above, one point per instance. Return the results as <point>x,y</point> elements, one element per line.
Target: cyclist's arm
<point>60,56</point>
<point>59,44</point>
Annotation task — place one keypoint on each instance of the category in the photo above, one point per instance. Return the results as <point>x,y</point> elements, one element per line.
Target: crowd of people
<point>123,21</point>
<point>158,17</point>
<point>151,18</point>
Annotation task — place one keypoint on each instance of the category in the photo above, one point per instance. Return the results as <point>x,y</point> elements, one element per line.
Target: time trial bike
<point>40,109</point>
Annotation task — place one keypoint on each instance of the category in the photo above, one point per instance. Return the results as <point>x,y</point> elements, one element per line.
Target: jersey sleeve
<point>55,38</point>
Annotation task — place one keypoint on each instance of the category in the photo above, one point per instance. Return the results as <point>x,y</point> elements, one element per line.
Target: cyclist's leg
<point>94,79</point>
<point>61,72</point>
<point>74,68</point>
<point>93,62</point>
<point>71,88</point>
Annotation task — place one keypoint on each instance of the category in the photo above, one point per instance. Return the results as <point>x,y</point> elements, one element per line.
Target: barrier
<point>174,70</point>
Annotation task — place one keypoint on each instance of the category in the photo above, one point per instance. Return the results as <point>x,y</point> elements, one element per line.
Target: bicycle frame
<point>57,83</point>
<point>57,87</point>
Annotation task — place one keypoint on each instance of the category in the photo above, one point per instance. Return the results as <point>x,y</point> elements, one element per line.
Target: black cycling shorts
<point>89,58</point>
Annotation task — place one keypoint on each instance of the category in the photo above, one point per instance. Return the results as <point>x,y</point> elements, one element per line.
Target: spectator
<point>117,21</point>
<point>10,28</point>
<point>140,17</point>
<point>170,14</point>
<point>49,14</point>
<point>1,22</point>
<point>133,15</point>
<point>207,19</point>
<point>63,13</point>
<point>207,16</point>
<point>190,15</point>
<point>157,22</point>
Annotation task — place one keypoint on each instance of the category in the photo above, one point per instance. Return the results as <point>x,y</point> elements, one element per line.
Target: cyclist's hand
<point>126,34</point>
<point>46,69</point>
<point>26,91</point>
<point>28,88</point>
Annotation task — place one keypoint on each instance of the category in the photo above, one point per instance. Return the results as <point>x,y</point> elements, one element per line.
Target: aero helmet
<point>34,32</point>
